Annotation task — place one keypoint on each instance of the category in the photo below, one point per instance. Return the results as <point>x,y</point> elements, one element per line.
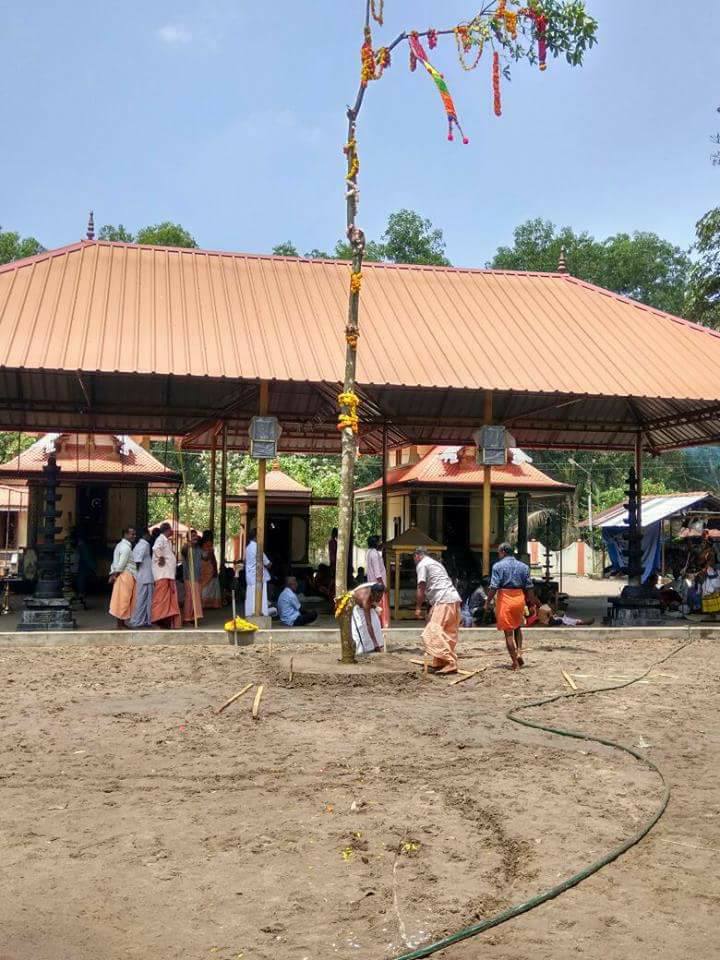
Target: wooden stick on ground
<point>291,669</point>
<point>256,704</point>
<point>424,663</point>
<point>569,680</point>
<point>235,697</point>
<point>468,676</point>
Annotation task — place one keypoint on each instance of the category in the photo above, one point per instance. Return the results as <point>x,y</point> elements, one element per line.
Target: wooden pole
<point>397,584</point>
<point>260,521</point>
<point>223,496</point>
<point>487,491</point>
<point>188,545</point>
<point>213,461</point>
<point>383,537</point>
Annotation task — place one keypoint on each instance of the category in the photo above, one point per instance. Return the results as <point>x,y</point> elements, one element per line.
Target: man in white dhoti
<point>250,577</point>
<point>144,582</point>
<point>365,623</point>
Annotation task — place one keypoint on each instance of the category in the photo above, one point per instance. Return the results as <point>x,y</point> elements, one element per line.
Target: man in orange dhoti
<point>440,636</point>
<point>122,577</point>
<point>165,611</point>
<point>510,581</point>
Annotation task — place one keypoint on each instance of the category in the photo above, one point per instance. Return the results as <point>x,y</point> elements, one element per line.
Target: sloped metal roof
<point>129,337</point>
<point>654,507</point>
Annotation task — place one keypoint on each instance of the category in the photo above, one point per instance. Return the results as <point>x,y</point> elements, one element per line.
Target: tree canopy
<point>165,234</point>
<point>408,238</point>
<point>703,301</point>
<point>640,265</point>
<point>15,247</point>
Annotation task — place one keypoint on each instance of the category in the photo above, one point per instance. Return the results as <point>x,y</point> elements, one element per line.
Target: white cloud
<point>174,34</point>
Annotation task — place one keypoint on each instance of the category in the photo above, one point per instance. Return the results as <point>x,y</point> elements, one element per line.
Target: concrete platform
<point>397,638</point>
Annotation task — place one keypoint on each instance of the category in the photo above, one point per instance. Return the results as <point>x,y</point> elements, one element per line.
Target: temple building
<point>105,482</point>
<point>439,490</point>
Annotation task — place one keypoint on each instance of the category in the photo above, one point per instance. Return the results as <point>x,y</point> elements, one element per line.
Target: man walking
<point>144,582</point>
<point>122,578</point>
<point>510,581</point>
<point>289,609</point>
<point>435,588</point>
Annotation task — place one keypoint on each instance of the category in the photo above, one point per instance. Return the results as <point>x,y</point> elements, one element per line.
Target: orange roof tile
<point>99,454</point>
<point>433,470</point>
<point>13,498</point>
<point>279,482</point>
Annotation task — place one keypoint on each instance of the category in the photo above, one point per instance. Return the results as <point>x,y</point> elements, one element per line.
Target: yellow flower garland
<point>342,603</point>
<point>242,626</point>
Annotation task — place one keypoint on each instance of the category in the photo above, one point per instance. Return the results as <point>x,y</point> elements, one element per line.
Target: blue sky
<point>228,116</point>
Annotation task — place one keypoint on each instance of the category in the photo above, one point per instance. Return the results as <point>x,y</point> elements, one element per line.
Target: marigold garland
<point>496,84</point>
<point>350,419</point>
<point>354,168</point>
<point>464,45</point>
<point>367,59</point>
<point>342,603</point>
<point>352,339</point>
<point>355,282</point>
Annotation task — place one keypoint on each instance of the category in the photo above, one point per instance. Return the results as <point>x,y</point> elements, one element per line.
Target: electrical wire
<point>475,929</point>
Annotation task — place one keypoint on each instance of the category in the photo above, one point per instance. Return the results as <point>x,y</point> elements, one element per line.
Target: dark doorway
<point>277,544</point>
<point>456,535</point>
<point>92,515</point>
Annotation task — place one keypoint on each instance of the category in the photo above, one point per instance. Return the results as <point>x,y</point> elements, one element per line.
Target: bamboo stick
<point>468,676</point>
<point>235,697</point>
<point>569,680</point>
<point>256,704</point>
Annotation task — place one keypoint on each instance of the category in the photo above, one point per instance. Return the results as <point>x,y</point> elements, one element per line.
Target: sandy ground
<point>358,816</point>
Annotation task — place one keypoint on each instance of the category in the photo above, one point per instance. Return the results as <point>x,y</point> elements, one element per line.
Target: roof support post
<point>523,503</point>
<point>223,496</point>
<point>262,470</point>
<point>213,462</point>
<point>487,491</point>
<point>383,538</point>
<point>638,575</point>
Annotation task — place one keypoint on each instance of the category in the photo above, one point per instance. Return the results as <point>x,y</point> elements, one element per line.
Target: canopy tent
<point>102,336</point>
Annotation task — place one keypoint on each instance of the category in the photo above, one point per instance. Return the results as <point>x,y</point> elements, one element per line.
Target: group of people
<point>144,579</point>
<point>438,601</point>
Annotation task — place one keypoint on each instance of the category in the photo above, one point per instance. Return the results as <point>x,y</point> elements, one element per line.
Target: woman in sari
<point>209,580</point>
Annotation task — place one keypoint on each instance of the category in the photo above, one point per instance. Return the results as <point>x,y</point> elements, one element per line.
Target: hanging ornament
<point>383,60</point>
<point>432,39</point>
<point>377,8</point>
<point>413,58</point>
<point>541,24</point>
<point>464,45</point>
<point>417,49</point>
<point>367,58</point>
<point>496,84</point>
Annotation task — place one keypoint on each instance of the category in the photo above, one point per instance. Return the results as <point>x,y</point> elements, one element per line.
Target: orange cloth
<point>208,573</point>
<point>441,634</point>
<point>385,611</point>
<point>510,609</point>
<point>165,603</point>
<point>122,601</point>
<point>190,610</point>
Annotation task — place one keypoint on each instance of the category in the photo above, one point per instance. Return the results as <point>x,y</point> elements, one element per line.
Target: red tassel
<point>496,84</point>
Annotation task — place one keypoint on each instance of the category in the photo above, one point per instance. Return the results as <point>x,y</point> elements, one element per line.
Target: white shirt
<point>375,567</point>
<point>142,556</point>
<point>438,585</point>
<point>163,549</point>
<point>250,561</point>
<point>122,561</point>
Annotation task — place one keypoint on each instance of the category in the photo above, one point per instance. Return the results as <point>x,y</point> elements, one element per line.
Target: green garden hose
<point>576,878</point>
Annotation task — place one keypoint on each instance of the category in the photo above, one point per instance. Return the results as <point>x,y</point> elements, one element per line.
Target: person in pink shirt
<point>376,573</point>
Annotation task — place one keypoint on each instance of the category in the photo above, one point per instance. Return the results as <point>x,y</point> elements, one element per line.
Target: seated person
<point>360,577</point>
<point>323,583</point>
<point>365,624</point>
<point>290,611</point>
<point>669,598</point>
<point>547,617</point>
<point>473,609</point>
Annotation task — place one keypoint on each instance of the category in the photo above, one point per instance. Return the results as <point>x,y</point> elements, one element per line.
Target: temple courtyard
<point>363,812</point>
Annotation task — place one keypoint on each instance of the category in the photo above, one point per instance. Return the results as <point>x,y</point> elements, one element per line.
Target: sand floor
<point>358,815</point>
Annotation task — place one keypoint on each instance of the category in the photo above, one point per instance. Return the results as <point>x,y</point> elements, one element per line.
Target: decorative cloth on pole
<point>418,51</point>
